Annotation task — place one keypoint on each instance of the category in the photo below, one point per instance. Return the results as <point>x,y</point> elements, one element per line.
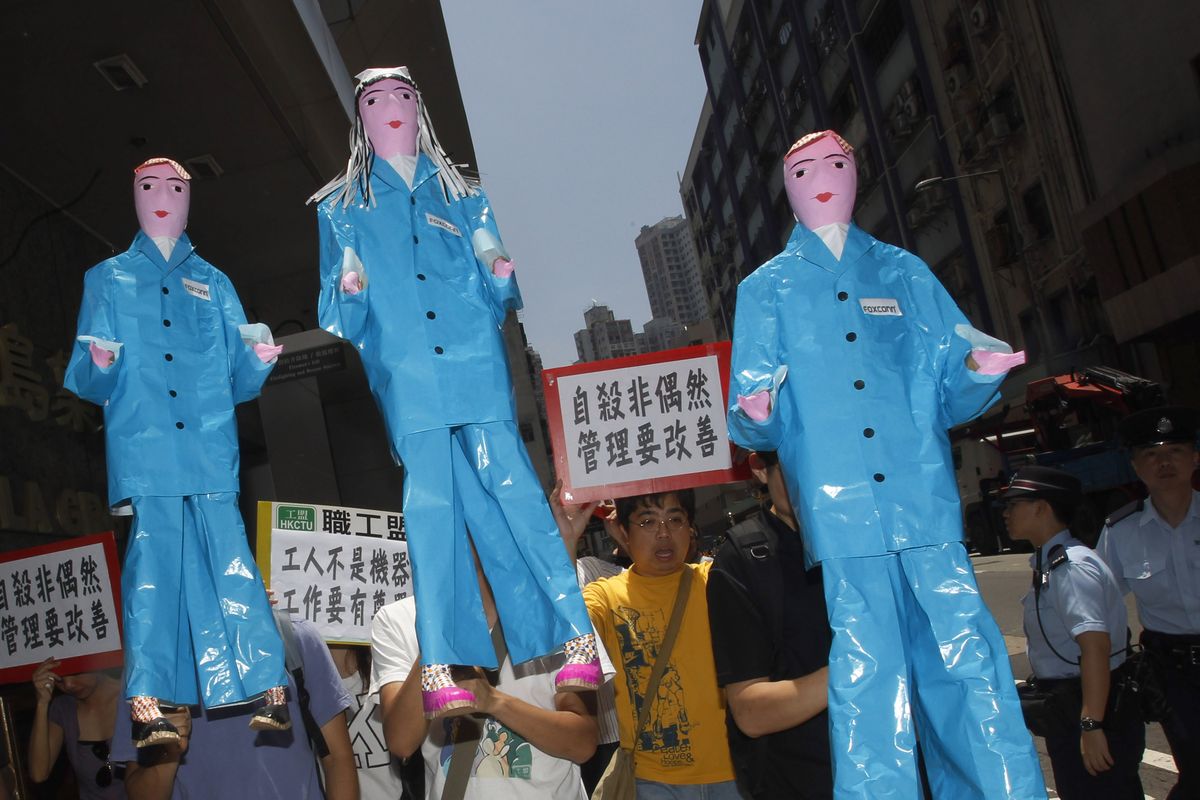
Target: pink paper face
<point>388,108</point>
<point>161,199</point>
<point>821,183</point>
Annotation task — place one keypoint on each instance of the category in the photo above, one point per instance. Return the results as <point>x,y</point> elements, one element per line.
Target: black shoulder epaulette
<point>1124,511</point>
<point>1056,557</point>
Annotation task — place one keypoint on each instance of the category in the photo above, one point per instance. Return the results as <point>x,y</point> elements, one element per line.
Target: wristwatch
<point>1089,724</point>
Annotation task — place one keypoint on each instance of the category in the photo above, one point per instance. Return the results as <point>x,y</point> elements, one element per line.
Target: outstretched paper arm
<point>96,361</point>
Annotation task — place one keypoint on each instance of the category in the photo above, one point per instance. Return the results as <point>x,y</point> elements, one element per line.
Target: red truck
<point>1069,422</point>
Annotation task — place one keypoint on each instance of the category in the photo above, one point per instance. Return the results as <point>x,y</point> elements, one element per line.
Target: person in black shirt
<point>771,643</point>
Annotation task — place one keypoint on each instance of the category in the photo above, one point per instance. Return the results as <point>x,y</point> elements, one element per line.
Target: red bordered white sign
<point>61,600</point>
<point>641,424</point>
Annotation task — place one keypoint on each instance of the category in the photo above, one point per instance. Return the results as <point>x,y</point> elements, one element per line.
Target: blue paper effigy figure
<point>851,361</point>
<point>414,274</point>
<point>164,347</point>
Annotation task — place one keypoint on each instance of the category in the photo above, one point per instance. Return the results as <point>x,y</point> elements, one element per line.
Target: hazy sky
<point>582,116</point>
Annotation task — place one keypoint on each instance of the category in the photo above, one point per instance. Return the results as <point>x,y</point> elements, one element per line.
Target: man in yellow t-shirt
<point>683,751</point>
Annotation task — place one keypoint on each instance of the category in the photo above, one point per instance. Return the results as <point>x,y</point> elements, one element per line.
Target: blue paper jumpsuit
<point>427,326</point>
<point>867,374</point>
<point>193,602</point>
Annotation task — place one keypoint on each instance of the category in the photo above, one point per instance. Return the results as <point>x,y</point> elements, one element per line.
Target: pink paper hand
<point>351,284</point>
<point>267,352</point>
<point>502,268</point>
<point>757,406</point>
<point>991,363</point>
<point>101,357</point>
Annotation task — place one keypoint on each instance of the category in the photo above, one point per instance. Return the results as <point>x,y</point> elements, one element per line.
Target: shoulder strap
<point>1057,557</point>
<point>458,773</point>
<point>295,666</point>
<point>664,652</point>
<point>1124,511</point>
<point>756,543</point>
<point>753,539</point>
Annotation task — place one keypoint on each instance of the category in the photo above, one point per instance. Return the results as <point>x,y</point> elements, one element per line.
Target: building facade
<point>604,336</point>
<point>672,275</point>
<point>1047,176</point>
<point>778,69</point>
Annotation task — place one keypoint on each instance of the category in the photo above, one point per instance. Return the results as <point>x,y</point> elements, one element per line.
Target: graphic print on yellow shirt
<point>667,732</point>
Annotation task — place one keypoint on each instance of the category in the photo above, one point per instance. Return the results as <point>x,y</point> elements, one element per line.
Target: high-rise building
<point>604,336</point>
<point>671,273</point>
<point>660,333</point>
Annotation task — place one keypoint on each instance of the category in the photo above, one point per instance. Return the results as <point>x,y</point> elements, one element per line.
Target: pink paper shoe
<point>582,671</point>
<point>440,696</point>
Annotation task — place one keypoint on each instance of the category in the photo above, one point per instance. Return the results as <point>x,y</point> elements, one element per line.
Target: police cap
<point>1161,425</point>
<point>1046,483</point>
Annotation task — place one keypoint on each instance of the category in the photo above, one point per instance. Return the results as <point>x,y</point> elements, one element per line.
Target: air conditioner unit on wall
<point>997,128</point>
<point>981,16</point>
<point>956,79</point>
<point>915,217</point>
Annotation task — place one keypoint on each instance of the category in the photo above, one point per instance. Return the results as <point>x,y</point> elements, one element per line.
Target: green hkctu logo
<point>295,518</point>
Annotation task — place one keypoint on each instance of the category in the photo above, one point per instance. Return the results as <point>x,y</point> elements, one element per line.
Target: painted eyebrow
<point>795,164</point>
<point>837,155</point>
<point>175,178</point>
<point>148,177</point>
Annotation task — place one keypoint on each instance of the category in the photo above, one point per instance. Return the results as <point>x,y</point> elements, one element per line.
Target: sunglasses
<point>108,771</point>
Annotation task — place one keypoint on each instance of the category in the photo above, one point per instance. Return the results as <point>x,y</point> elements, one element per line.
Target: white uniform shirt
<point>505,766</point>
<point>1077,597</point>
<point>1160,565</point>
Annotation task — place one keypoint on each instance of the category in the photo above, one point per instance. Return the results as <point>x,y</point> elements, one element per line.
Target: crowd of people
<point>716,676</point>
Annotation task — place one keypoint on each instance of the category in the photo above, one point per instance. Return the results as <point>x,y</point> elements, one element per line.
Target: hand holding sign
<point>502,267</point>
<point>44,680</point>
<point>572,518</point>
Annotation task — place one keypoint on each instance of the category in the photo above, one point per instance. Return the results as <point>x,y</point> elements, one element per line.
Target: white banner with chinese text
<point>333,566</point>
<point>59,601</point>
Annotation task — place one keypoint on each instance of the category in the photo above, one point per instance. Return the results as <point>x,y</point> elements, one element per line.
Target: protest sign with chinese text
<point>333,566</point>
<point>60,600</point>
<point>642,424</point>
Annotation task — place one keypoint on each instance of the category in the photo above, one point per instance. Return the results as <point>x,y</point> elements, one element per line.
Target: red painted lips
<point>824,197</point>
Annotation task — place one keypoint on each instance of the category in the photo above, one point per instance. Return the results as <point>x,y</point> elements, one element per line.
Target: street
<point>1004,579</point>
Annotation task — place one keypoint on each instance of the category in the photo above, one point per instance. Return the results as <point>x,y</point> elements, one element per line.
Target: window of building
<point>844,106</point>
<point>884,28</point>
<point>1037,211</point>
<point>784,35</point>
<point>1007,102</point>
<point>1031,342</point>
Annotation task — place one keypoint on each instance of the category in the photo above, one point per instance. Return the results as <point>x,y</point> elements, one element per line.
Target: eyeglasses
<point>674,524</point>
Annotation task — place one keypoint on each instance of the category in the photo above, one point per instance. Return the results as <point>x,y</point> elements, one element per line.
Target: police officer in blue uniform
<point>1153,549</point>
<point>1076,627</point>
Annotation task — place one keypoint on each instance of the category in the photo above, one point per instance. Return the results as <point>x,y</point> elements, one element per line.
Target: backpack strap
<point>294,663</point>
<point>757,545</point>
